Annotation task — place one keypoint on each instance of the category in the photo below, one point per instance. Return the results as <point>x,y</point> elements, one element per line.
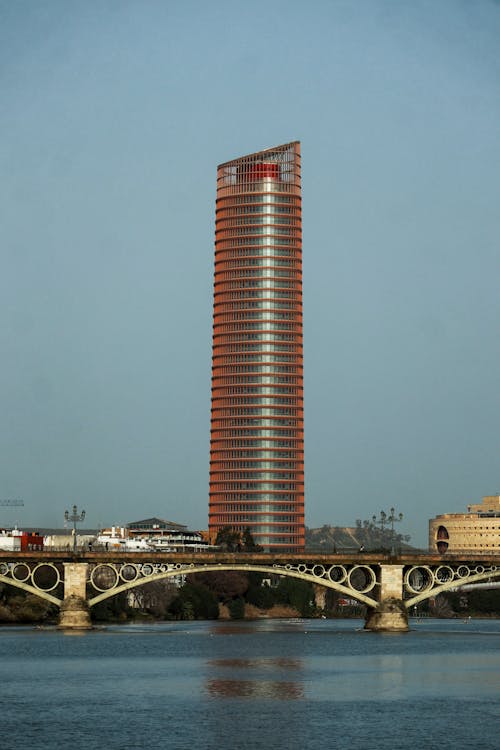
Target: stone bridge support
<point>391,613</point>
<point>74,613</point>
<point>319,596</point>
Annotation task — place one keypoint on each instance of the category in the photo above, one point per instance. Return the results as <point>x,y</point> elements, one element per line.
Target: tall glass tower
<point>257,423</point>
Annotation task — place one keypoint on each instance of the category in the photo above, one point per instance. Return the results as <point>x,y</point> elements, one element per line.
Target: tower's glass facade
<point>257,427</point>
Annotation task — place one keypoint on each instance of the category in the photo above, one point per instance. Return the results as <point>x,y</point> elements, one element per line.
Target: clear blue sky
<point>114,117</point>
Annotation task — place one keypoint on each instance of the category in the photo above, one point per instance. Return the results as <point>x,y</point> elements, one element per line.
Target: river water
<point>294,684</point>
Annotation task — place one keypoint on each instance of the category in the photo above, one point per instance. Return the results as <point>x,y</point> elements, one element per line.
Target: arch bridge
<point>388,585</point>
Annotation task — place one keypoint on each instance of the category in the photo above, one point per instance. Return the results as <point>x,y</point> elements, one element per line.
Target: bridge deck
<point>252,558</point>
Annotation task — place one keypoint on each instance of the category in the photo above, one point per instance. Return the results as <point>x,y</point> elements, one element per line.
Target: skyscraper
<point>257,423</point>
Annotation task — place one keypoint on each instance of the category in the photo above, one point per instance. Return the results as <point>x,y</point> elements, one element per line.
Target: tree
<point>232,540</point>
<point>116,608</point>
<point>261,596</point>
<point>154,598</point>
<point>237,609</point>
<point>296,594</point>
<point>228,539</point>
<point>225,585</point>
<point>249,544</point>
<point>194,602</point>
<point>20,606</point>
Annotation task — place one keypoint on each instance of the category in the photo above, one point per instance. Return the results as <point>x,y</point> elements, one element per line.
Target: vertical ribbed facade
<point>257,421</point>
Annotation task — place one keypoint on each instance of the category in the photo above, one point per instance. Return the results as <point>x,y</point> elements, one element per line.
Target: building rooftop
<point>156,523</point>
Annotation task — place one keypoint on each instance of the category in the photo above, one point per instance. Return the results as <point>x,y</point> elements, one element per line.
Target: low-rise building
<point>153,527</point>
<point>478,530</point>
<point>167,536</point>
<point>15,540</point>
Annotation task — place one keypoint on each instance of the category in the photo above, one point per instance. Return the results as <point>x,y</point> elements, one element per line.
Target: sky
<point>114,116</point>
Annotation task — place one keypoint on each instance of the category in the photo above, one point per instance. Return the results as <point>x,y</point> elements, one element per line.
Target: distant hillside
<point>352,538</point>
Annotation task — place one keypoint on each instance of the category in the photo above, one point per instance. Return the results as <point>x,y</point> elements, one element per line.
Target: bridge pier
<point>74,613</point>
<point>319,596</point>
<point>390,614</point>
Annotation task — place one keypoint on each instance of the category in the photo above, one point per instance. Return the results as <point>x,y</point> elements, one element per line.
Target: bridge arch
<point>454,583</point>
<point>271,570</point>
<point>31,590</point>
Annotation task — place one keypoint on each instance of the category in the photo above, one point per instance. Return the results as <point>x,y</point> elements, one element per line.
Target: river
<point>280,684</point>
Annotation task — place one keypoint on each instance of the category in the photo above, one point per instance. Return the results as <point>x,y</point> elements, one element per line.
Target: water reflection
<point>390,678</point>
<point>264,683</point>
<point>280,662</point>
<point>264,625</point>
<point>255,682</point>
<point>222,628</point>
<point>254,689</point>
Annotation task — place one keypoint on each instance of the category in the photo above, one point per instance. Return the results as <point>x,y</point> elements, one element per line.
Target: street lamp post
<point>392,519</point>
<point>388,520</point>
<point>381,521</point>
<point>75,518</point>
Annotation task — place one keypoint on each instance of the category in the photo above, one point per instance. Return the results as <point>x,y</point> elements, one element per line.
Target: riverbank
<point>252,612</point>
